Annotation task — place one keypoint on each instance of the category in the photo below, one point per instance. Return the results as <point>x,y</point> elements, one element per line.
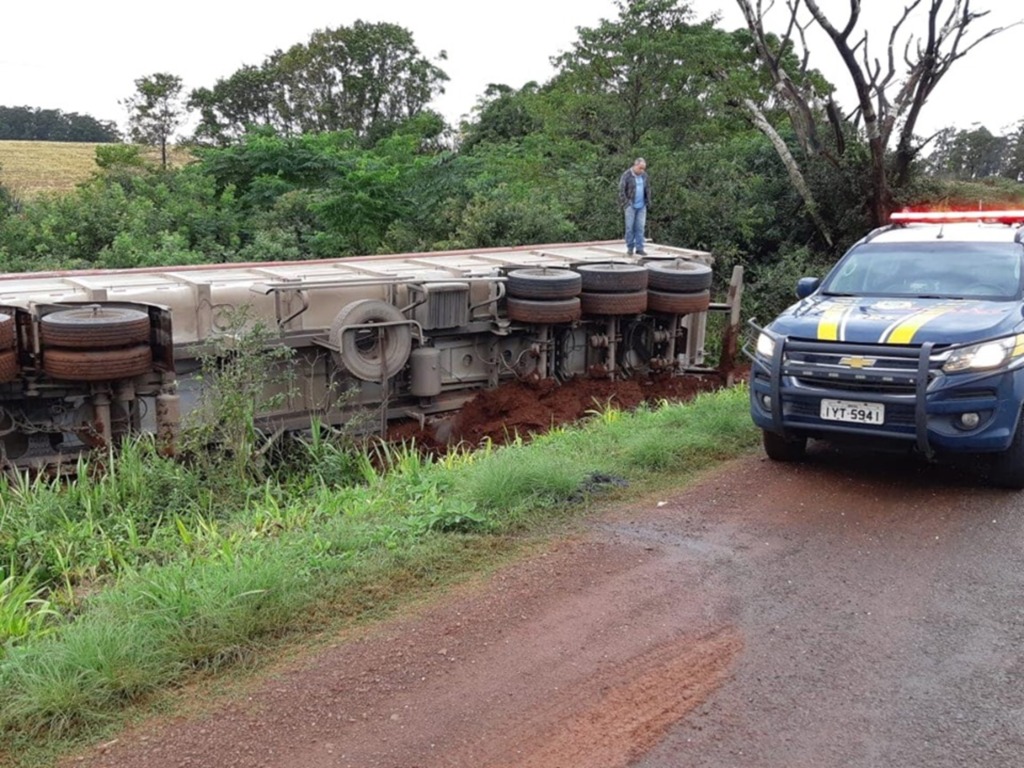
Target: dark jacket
<point>627,189</point>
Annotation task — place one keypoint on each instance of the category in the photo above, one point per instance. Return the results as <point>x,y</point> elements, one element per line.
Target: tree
<point>650,74</point>
<point>367,78</point>
<point>502,114</point>
<point>237,104</point>
<point>1013,161</point>
<point>29,124</point>
<point>890,92</point>
<point>974,154</point>
<point>155,111</point>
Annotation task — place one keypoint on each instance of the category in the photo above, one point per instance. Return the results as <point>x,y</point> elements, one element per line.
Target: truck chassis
<point>87,357</point>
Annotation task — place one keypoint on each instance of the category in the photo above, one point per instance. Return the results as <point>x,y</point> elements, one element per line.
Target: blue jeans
<point>636,220</point>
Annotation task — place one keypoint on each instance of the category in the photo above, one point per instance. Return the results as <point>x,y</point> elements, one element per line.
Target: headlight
<point>986,356</point>
<point>765,345</point>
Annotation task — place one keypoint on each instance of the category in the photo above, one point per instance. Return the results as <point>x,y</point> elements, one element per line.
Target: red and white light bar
<point>938,217</point>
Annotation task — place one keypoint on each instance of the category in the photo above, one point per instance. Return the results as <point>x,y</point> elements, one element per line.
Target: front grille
<point>855,368</point>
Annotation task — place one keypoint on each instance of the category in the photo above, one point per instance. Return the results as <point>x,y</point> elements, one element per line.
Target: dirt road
<point>837,613</point>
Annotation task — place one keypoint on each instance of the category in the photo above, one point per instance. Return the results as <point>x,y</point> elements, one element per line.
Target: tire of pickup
<point>678,303</point>
<point>7,338</point>
<point>97,364</point>
<point>1007,468</point>
<point>544,312</point>
<point>633,303</point>
<point>94,327</point>
<point>613,278</point>
<point>781,448</point>
<point>544,283</point>
<point>679,276</point>
<point>367,353</point>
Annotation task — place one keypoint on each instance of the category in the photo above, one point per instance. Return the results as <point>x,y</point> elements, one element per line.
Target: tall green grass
<point>118,584</point>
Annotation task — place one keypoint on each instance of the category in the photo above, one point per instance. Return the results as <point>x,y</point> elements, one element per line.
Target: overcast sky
<point>84,57</point>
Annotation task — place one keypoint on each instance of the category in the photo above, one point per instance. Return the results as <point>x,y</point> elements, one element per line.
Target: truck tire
<point>678,303</point>
<point>632,303</point>
<point>94,327</point>
<point>1007,469</point>
<point>544,283</point>
<point>781,448</point>
<point>679,276</point>
<point>367,353</point>
<point>7,338</point>
<point>97,364</point>
<point>544,312</point>
<point>8,365</point>
<point>613,278</point>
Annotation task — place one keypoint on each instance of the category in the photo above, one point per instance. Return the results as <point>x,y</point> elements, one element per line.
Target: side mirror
<point>805,286</point>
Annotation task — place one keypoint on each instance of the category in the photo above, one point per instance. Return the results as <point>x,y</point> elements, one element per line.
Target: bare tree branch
<point>888,102</point>
<point>792,167</point>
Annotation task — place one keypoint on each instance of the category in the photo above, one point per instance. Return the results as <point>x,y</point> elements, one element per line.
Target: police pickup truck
<point>914,339</point>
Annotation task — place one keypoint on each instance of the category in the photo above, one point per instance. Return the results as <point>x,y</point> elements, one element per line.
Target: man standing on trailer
<point>635,198</point>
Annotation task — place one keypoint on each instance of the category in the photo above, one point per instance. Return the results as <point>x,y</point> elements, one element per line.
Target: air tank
<point>425,372</point>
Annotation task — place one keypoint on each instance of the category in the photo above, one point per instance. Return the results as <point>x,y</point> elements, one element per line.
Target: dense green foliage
<point>35,124</point>
<point>367,78</point>
<point>978,154</point>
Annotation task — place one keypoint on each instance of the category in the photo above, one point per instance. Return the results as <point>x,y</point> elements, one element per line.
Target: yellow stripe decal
<point>903,332</point>
<point>828,326</point>
<point>1018,350</point>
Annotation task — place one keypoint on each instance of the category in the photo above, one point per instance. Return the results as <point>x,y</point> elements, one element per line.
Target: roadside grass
<point>125,584</point>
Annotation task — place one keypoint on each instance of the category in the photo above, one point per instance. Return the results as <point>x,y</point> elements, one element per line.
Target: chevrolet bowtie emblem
<point>856,361</point>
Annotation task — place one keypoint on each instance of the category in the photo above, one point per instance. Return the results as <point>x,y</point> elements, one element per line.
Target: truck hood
<point>887,320</point>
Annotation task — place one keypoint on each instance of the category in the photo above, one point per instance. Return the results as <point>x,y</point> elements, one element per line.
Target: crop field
<point>31,168</point>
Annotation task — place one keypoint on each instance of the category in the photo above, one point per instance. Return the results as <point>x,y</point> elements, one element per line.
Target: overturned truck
<point>87,357</point>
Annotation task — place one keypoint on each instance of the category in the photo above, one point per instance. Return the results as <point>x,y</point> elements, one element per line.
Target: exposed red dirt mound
<point>526,408</point>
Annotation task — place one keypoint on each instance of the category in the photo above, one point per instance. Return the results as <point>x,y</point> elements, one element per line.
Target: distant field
<point>29,168</point>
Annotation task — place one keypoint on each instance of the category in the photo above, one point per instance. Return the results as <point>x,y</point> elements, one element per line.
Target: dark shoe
<point>629,252</point>
<point>639,253</point>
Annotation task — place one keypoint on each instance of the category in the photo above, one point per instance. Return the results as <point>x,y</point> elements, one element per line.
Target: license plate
<point>852,411</point>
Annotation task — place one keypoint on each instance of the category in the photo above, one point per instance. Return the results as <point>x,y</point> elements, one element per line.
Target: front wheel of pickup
<point>1008,467</point>
<point>781,448</point>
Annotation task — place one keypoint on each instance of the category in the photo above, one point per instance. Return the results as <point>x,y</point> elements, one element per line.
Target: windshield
<point>937,269</point>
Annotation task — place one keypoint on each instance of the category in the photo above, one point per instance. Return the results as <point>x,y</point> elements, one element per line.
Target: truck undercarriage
<point>89,357</point>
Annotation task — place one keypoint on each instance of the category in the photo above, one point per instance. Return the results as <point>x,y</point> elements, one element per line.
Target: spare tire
<point>98,364</point>
<point>544,283</point>
<point>371,354</point>
<point>613,278</point>
<point>680,275</point>
<point>94,327</point>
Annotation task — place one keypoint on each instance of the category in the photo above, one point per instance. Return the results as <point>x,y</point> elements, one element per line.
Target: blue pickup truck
<point>914,339</point>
